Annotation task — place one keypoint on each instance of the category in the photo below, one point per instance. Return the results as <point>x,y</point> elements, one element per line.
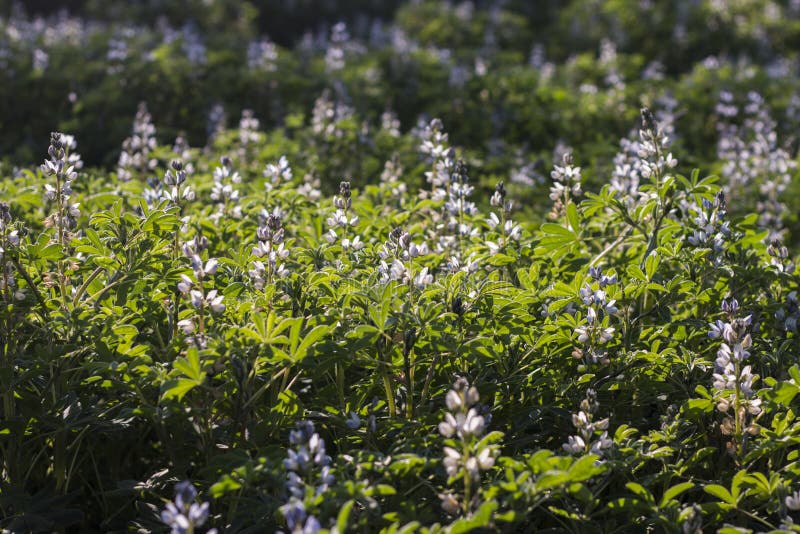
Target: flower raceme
<point>58,166</point>
<point>592,436</point>
<point>462,425</point>
<point>340,219</point>
<point>596,332</point>
<point>566,185</point>
<point>732,379</point>
<point>308,474</point>
<point>184,514</point>
<point>465,454</point>
<point>269,248</point>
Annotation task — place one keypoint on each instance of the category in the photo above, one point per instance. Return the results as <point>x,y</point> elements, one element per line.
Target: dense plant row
<point>510,79</point>
<point>401,355</point>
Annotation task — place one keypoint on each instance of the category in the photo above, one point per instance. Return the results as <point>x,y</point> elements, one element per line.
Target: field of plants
<point>366,266</point>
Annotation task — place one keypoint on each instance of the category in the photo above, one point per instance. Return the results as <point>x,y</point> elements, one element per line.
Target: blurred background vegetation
<point>541,77</point>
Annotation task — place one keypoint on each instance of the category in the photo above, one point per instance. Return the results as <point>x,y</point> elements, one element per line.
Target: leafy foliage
<point>337,325</point>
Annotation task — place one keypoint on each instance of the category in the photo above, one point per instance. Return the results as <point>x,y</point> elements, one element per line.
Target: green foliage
<point>632,354</point>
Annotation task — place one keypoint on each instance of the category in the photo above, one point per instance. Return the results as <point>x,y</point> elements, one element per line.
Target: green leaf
<point>641,491</point>
<point>697,407</point>
<point>703,392</point>
<point>721,493</point>
<point>674,491</point>
<point>585,468</point>
<point>783,393</point>
<point>573,217</point>
<point>727,529</point>
<point>310,338</point>
<point>481,518</point>
<point>635,272</point>
<point>651,264</point>
<point>190,366</point>
<point>176,389</point>
<point>385,489</point>
<point>344,515</point>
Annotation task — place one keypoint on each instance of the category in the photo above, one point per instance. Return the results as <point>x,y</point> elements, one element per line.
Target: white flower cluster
<point>434,141</point>
<point>755,163</point>
<point>464,425</point>
<point>507,228</point>
<point>9,238</point>
<point>458,204</point>
<point>592,436</point>
<point>653,146</point>
<point>449,183</point>
<point>310,187</point>
<point>391,179</point>
<point>308,467</point>
<point>59,167</point>
<point>327,114</point>
<point>335,51</point>
<point>262,54</point>
<point>215,122</point>
<point>341,219</point>
<point>134,160</point>
<point>596,332</point>
<point>396,257</point>
<point>711,230</point>
<point>302,462</point>
<point>793,501</point>
<point>629,167</point>
<point>248,131</point>
<point>732,379</point>
<point>193,327</point>
<point>390,123</point>
<point>223,192</point>
<point>779,257</point>
<point>469,265</point>
<point>192,45</point>
<point>439,176</point>
<point>184,514</point>
<point>172,189</point>
<point>276,173</point>
<point>789,315</point>
<point>271,249</point>
<point>566,185</point>
<point>74,159</point>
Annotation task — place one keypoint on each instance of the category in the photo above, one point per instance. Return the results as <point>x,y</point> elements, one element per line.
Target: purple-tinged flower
<point>183,515</point>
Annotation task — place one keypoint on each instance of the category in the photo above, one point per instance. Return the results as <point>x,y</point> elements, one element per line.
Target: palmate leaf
<point>481,518</point>
<point>178,388</point>
<point>190,366</point>
<point>721,493</point>
<point>557,240</point>
<point>300,351</point>
<point>187,375</point>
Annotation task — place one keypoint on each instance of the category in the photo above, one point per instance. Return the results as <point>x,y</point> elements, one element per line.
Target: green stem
<point>387,383</point>
<point>467,482</point>
<point>409,382</point>
<point>85,285</point>
<point>736,405</point>
<point>428,379</point>
<point>339,370</point>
